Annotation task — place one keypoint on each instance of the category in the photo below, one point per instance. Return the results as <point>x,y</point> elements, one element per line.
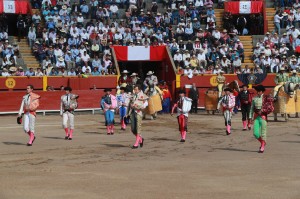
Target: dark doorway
<point>12,24</point>
<point>142,67</point>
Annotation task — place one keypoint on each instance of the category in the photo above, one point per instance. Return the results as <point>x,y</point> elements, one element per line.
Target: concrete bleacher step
<point>270,18</point>
<point>27,58</point>
<point>247,42</point>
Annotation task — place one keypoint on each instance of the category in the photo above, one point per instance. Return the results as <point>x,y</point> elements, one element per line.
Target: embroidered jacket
<point>30,103</point>
<point>68,102</point>
<point>138,102</point>
<point>228,102</point>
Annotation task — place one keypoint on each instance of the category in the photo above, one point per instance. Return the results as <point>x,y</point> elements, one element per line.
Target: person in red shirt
<point>124,78</point>
<point>167,98</point>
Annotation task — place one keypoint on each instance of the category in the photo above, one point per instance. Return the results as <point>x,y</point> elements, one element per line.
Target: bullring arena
<point>93,165</point>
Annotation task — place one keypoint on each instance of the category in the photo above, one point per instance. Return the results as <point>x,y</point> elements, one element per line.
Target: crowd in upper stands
<point>76,39</point>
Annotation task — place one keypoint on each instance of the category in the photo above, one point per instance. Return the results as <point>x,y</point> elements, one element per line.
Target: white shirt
<point>85,58</point>
<point>84,68</point>
<point>178,57</point>
<point>114,8</point>
<point>277,18</point>
<point>201,56</point>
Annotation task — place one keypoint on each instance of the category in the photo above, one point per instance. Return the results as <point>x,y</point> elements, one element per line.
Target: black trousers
<point>194,106</point>
<point>245,111</point>
<point>20,33</point>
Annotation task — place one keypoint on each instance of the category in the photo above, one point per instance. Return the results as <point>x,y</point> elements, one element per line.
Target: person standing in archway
<point>194,95</point>
<point>21,27</point>
<point>241,24</point>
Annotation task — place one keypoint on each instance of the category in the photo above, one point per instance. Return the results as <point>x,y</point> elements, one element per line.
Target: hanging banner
<point>14,7</point>
<point>140,53</point>
<point>244,7</point>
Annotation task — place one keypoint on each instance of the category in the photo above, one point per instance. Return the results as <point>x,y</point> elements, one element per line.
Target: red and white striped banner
<point>14,7</point>
<point>140,53</point>
<point>244,7</point>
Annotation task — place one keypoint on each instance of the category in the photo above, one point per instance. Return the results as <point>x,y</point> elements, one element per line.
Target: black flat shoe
<point>227,133</point>
<point>249,128</point>
<point>142,144</point>
<point>29,144</point>
<point>135,147</point>
<point>69,138</point>
<point>244,129</point>
<point>182,140</point>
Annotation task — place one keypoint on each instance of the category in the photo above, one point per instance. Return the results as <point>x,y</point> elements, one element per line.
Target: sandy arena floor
<point>210,165</point>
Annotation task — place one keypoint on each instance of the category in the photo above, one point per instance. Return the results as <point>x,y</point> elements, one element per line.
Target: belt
<point>69,110</point>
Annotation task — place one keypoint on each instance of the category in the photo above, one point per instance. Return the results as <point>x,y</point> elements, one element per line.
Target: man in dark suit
<point>194,95</point>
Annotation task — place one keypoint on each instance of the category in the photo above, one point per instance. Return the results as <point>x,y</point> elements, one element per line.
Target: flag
<point>140,53</point>
<point>14,7</point>
<point>244,7</point>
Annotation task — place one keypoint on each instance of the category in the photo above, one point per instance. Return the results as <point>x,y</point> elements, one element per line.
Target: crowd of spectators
<point>281,47</point>
<point>76,39</point>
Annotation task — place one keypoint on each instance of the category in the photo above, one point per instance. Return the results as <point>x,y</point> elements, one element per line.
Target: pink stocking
<point>262,147</point>
<point>140,139</point>
<point>137,140</point>
<point>31,137</point>
<point>228,128</point>
<point>183,135</point>
<point>244,124</point>
<point>71,133</point>
<point>67,132</point>
<point>108,129</point>
<point>112,128</point>
<point>249,123</point>
<point>123,124</point>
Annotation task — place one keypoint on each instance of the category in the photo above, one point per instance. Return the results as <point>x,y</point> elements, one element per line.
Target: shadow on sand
<point>54,138</point>
<point>234,149</point>
<point>296,142</point>
<point>13,143</point>
<point>115,145</point>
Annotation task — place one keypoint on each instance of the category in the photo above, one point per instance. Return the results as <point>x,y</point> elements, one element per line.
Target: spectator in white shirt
<point>295,33</point>
<point>39,73</point>
<point>277,19</point>
<point>72,72</point>
<point>114,10</point>
<point>85,58</point>
<point>237,64</point>
<point>202,58</point>
<point>85,67</point>
<point>60,63</point>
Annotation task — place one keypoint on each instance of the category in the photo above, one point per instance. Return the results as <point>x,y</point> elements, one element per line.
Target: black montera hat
<point>68,88</point>
<point>260,88</point>
<point>123,88</point>
<point>228,89</point>
<point>182,91</point>
<point>107,89</point>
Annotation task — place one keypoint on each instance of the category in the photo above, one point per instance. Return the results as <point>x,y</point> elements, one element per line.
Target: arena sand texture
<point>94,165</point>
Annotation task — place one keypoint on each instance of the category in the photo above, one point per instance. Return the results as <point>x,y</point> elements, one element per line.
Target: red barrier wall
<point>20,83</point>
<point>11,101</point>
<point>207,81</point>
